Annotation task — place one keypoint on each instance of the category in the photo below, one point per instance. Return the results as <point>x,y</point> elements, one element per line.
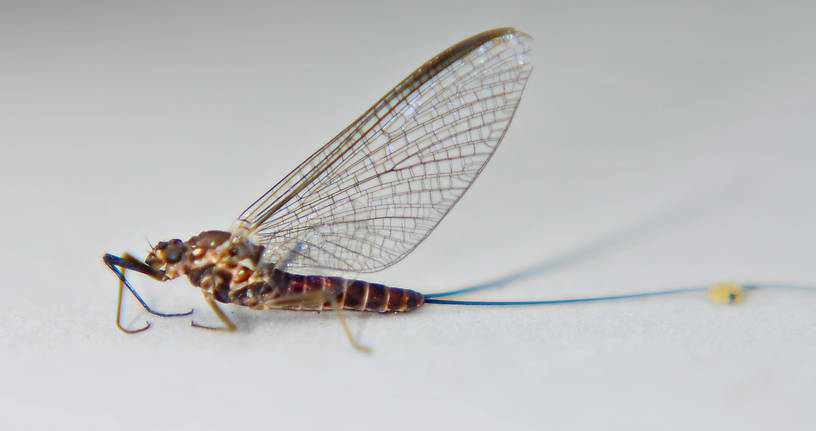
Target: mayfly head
<point>168,256</point>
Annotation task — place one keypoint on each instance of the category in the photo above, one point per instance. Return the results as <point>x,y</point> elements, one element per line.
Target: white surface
<point>125,121</point>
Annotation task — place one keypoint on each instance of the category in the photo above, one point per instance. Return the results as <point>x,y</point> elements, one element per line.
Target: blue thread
<point>779,286</point>
<point>566,301</point>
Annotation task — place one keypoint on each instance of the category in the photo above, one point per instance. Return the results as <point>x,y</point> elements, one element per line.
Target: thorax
<point>216,261</point>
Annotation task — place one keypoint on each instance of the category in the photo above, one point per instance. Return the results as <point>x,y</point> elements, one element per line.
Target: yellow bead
<point>726,293</point>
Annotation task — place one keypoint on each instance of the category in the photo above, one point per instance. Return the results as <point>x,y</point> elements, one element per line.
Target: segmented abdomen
<point>281,289</point>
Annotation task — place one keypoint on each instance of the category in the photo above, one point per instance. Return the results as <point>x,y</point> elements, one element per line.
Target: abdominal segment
<point>281,289</point>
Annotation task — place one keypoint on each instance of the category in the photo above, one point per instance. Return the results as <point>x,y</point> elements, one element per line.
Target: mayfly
<point>364,200</point>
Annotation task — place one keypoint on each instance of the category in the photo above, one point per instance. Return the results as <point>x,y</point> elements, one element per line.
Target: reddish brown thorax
<point>175,257</point>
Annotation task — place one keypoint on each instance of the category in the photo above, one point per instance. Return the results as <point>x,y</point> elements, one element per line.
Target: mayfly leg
<point>129,262</point>
<point>360,348</point>
<point>318,298</point>
<point>230,326</point>
<point>119,309</point>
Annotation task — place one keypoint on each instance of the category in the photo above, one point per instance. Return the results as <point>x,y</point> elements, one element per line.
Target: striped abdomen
<point>281,289</point>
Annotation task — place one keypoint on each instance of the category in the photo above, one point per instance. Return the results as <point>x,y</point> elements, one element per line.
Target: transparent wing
<point>369,196</point>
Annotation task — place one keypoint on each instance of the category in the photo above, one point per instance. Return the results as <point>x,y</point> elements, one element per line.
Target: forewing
<point>368,197</point>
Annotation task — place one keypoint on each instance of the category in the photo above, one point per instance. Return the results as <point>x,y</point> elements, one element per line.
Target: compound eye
<point>173,252</point>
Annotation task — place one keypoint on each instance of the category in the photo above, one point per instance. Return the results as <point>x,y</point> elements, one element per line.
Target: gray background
<point>692,122</point>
